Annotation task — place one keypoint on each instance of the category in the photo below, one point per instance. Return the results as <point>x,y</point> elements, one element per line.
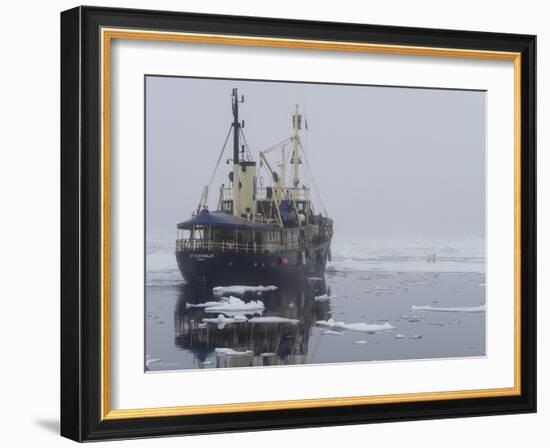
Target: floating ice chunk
<point>416,336</point>
<point>377,289</point>
<point>240,289</point>
<point>231,352</point>
<point>222,321</point>
<point>458,309</point>
<point>333,332</point>
<point>399,336</point>
<point>201,305</point>
<point>359,326</point>
<point>360,342</point>
<point>149,360</point>
<point>324,297</point>
<point>454,322</point>
<point>437,323</point>
<point>272,320</point>
<point>235,306</point>
<point>369,328</point>
<point>315,279</point>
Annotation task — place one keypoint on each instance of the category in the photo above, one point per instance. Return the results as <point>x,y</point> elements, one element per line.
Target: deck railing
<point>298,194</point>
<point>230,246</point>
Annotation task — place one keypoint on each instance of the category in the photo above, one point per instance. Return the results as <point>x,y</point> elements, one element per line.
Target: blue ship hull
<point>230,268</point>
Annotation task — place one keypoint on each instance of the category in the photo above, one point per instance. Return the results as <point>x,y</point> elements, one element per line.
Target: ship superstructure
<point>258,233</point>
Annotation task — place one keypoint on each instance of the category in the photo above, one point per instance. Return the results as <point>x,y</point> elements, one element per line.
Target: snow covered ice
<point>359,326</point>
<point>230,352</point>
<point>272,320</point>
<point>222,321</point>
<point>240,289</point>
<point>234,306</point>
<point>456,309</point>
<point>324,297</point>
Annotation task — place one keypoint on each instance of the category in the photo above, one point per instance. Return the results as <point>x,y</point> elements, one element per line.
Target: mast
<point>296,126</point>
<point>236,124</point>
<point>244,171</point>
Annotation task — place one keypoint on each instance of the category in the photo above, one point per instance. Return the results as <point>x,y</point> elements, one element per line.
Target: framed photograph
<point>272,223</point>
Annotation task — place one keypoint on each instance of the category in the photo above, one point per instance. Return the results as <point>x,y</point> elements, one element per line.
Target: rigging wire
<point>313,180</point>
<point>247,147</point>
<point>271,148</point>
<point>309,171</point>
<point>306,139</point>
<point>219,157</point>
<point>281,143</point>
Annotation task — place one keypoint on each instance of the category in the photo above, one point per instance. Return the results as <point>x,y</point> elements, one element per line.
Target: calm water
<point>376,287</point>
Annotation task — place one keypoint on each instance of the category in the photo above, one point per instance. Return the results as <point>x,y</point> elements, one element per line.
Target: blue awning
<point>286,209</point>
<point>221,219</point>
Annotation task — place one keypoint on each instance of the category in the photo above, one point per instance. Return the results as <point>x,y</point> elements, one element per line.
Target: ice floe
<point>201,305</point>
<point>222,321</point>
<point>234,306</point>
<point>272,320</point>
<point>399,336</point>
<point>149,361</point>
<point>324,297</point>
<point>360,342</point>
<point>231,352</point>
<point>240,289</point>
<point>333,332</point>
<point>381,288</point>
<point>359,326</point>
<point>458,309</point>
<point>408,256</point>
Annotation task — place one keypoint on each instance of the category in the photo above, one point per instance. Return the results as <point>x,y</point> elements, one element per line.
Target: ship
<point>258,233</point>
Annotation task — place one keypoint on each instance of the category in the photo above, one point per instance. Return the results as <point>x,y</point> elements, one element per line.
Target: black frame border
<point>81,223</point>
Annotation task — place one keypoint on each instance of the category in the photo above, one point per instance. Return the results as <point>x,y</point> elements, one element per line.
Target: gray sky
<point>393,163</point>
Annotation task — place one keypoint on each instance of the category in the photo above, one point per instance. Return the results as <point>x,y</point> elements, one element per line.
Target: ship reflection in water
<point>278,334</point>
